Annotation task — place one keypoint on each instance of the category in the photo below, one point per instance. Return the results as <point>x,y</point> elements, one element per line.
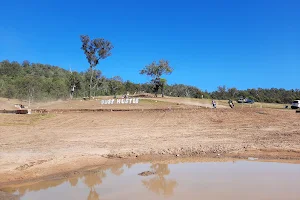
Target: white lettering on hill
<point>120,101</point>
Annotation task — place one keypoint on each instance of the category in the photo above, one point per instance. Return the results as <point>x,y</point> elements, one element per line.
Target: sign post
<point>119,101</point>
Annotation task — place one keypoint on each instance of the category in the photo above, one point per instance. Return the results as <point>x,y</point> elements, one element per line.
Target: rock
<point>146,173</point>
<point>251,158</point>
<point>177,155</point>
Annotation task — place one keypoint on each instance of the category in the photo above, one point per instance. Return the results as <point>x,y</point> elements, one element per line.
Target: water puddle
<point>212,180</point>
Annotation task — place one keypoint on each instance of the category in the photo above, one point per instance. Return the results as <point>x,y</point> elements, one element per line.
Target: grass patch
<point>21,120</point>
<point>151,101</point>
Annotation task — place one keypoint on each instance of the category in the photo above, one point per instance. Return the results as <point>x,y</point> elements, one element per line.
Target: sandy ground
<point>40,145</point>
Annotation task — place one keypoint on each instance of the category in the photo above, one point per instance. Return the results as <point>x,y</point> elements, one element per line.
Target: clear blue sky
<point>241,43</point>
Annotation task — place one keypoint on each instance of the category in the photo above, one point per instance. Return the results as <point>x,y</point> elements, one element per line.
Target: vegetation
<point>156,70</point>
<point>95,50</point>
<point>272,95</point>
<point>38,82</point>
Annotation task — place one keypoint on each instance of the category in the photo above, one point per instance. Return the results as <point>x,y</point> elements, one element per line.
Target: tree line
<point>272,95</point>
<point>35,81</point>
<point>42,82</point>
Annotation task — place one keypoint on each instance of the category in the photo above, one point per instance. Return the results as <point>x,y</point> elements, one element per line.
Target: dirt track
<point>33,146</point>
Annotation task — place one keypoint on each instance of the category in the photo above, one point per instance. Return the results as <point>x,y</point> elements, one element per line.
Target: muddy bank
<point>7,196</point>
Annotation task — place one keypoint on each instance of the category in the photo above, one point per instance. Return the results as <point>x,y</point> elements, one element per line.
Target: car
<point>295,104</point>
<point>246,100</point>
<point>249,101</point>
<point>241,100</point>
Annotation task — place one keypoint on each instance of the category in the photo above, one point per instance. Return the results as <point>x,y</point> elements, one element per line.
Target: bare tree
<point>95,50</point>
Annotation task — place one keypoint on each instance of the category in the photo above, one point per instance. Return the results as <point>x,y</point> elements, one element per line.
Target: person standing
<point>214,104</point>
<point>72,91</point>
<point>230,103</point>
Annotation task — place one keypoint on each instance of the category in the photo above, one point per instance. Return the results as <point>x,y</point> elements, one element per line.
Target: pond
<point>211,180</point>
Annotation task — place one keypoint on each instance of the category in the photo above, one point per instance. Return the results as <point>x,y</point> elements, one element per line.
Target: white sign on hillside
<point>120,101</point>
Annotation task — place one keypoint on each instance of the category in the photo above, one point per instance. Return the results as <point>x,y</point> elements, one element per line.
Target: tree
<point>131,87</point>
<point>29,86</point>
<point>163,83</point>
<point>115,85</point>
<point>93,79</point>
<point>156,70</point>
<point>232,92</point>
<point>222,91</point>
<point>74,82</point>
<point>95,50</point>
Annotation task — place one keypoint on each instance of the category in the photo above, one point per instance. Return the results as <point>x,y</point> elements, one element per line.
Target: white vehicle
<point>295,104</point>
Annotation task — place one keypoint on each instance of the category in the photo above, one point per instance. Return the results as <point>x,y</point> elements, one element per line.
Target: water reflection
<point>93,195</point>
<point>208,180</point>
<point>129,165</point>
<point>159,184</point>
<point>118,169</point>
<point>73,181</point>
<point>22,190</point>
<point>91,181</point>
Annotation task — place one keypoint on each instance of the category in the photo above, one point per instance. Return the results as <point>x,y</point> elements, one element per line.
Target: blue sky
<point>243,44</point>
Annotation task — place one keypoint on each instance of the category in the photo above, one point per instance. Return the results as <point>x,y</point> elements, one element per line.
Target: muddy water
<point>215,180</point>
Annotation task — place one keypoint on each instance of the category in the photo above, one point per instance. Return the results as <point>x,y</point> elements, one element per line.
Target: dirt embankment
<point>37,145</point>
